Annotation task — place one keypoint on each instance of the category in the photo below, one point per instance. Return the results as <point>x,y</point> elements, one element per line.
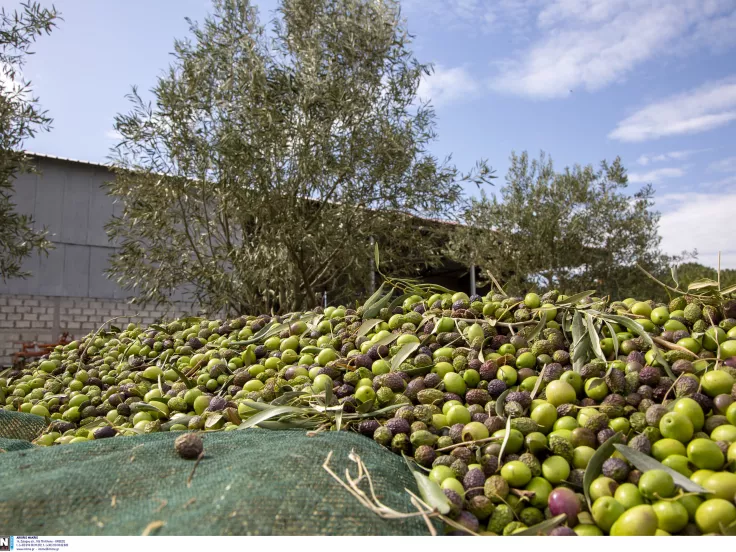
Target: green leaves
<point>638,330</point>
<point>703,284</point>
<point>581,346</point>
<point>432,493</point>
<point>402,355</point>
<point>367,326</point>
<point>542,528</point>
<point>595,465</point>
<point>644,463</point>
<point>595,343</point>
<point>376,306</point>
<point>269,414</point>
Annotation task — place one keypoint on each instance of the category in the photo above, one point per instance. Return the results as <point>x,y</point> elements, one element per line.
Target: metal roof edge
<point>67,159</point>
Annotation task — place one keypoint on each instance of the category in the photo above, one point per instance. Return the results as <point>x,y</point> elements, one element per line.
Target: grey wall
<point>67,197</point>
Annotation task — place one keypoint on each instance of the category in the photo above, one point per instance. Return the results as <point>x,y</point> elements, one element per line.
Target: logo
<point>6,543</point>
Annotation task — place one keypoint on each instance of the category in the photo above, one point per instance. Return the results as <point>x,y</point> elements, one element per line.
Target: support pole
<point>472,279</point>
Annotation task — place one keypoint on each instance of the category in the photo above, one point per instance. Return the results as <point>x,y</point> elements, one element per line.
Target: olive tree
<point>21,117</point>
<point>576,229</point>
<point>270,157</point>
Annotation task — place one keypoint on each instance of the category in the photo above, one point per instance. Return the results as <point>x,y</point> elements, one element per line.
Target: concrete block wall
<point>44,318</point>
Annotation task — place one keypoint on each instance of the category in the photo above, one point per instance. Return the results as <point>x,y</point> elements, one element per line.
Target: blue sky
<point>584,80</point>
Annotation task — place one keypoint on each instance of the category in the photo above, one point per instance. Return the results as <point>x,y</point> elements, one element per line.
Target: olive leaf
<point>702,283</point>
<point>574,299</point>
<point>144,407</point>
<point>403,354</point>
<point>183,420</point>
<point>729,289</point>
<point>539,327</point>
<point>595,465</point>
<point>373,311</point>
<point>538,383</point>
<point>338,418</point>
<point>387,340</point>
<point>158,328</point>
<point>367,326</point>
<point>286,397</point>
<point>541,528</point>
<point>581,346</point>
<point>595,342</point>
<point>399,300</point>
<point>310,350</point>
<point>328,396</point>
<point>507,435</point>
<point>373,298</point>
<point>614,338</point>
<point>212,421</point>
<point>365,407</point>
<point>432,493</point>
<point>500,402</point>
<point>379,412</point>
<point>644,463</point>
<point>270,413</point>
<point>263,333</point>
<point>115,329</point>
<point>637,329</point>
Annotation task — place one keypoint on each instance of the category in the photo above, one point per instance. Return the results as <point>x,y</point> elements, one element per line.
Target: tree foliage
<point>269,158</point>
<point>576,229</point>
<point>21,117</point>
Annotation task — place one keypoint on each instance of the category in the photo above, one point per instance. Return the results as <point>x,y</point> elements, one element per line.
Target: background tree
<point>269,159</point>
<point>20,118</point>
<point>572,230</point>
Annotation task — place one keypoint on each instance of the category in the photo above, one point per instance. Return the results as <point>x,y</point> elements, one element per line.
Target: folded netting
<point>252,482</point>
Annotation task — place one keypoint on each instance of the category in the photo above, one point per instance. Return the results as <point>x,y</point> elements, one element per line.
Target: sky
<point>651,81</point>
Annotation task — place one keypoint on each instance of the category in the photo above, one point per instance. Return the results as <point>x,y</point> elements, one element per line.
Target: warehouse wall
<point>42,318</point>
<point>68,290</point>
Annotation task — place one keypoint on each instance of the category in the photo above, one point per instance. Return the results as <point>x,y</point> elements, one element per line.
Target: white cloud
<point>728,183</point>
<point>707,107</point>
<point>656,175</point>
<point>591,44</point>
<point>482,15</point>
<point>724,165</point>
<point>447,84</point>
<point>699,221</point>
<point>113,135</point>
<point>669,156</point>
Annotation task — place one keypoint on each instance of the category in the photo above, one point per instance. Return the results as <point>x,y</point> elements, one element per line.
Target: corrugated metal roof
<point>109,166</point>
<point>67,159</point>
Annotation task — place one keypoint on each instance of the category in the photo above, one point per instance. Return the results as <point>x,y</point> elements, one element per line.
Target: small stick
<point>162,506</point>
<point>673,346</point>
<point>191,475</point>
<point>468,443</point>
<point>152,527</point>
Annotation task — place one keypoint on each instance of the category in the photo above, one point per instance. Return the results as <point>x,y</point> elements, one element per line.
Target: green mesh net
<point>252,482</point>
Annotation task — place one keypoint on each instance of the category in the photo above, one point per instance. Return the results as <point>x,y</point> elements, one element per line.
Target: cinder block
<point>22,324</point>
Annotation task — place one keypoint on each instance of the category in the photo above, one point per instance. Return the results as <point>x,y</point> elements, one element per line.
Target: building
<point>68,290</point>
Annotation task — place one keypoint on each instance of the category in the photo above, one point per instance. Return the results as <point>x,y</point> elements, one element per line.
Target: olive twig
<point>191,475</point>
<point>468,443</point>
<point>673,346</point>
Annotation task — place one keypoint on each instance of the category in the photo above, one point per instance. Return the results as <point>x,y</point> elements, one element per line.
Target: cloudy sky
<point>652,81</point>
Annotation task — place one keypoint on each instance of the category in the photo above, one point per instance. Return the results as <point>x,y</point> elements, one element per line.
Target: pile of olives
<point>491,396</point>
